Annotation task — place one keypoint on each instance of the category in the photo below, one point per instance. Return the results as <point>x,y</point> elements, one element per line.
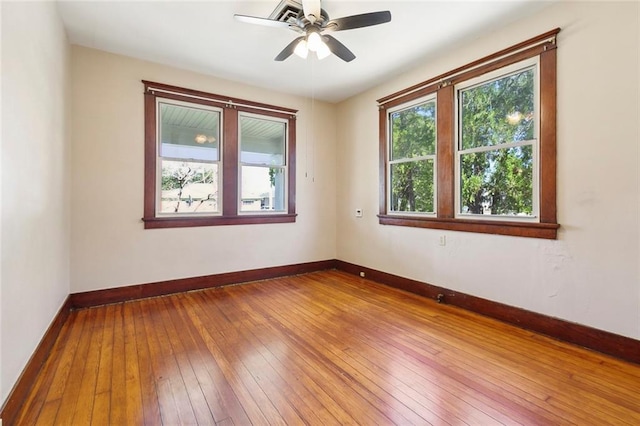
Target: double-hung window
<point>412,155</point>
<point>216,160</point>
<point>188,159</point>
<point>263,167</point>
<point>486,161</point>
<point>497,144</point>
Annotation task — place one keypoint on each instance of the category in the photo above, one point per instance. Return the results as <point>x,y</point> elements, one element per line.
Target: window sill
<point>185,222</point>
<point>516,229</point>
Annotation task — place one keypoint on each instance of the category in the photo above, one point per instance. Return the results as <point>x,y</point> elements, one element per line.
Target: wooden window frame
<point>230,214</point>
<point>443,85</point>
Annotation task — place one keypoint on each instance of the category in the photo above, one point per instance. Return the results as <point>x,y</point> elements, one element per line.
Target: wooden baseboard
<point>139,291</point>
<point>121,294</point>
<point>22,386</point>
<point>605,342</point>
<point>608,343</point>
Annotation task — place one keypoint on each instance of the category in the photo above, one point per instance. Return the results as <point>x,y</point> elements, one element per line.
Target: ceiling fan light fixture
<point>323,50</point>
<point>301,49</point>
<point>310,22</point>
<point>314,41</point>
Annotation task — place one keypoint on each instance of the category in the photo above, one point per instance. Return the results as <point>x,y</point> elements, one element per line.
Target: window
<point>215,160</point>
<point>263,167</point>
<point>412,149</point>
<point>188,159</point>
<point>486,161</point>
<point>497,144</point>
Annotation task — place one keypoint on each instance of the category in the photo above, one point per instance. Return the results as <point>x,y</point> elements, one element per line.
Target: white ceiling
<point>203,36</point>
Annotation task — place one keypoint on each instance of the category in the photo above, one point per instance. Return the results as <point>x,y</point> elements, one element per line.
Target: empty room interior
<point>320,212</point>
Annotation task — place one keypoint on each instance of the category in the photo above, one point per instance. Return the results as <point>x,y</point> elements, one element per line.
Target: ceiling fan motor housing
<point>312,28</point>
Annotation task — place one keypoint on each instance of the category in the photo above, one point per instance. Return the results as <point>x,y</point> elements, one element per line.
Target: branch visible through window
<point>496,146</point>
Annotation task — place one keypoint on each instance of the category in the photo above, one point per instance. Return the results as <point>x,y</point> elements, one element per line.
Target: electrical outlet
<point>362,274</point>
<point>443,240</point>
<point>358,212</point>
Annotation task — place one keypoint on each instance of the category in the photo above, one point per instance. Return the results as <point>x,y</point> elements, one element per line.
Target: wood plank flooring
<point>325,348</point>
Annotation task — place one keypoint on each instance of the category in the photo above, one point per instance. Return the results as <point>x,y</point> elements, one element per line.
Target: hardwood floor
<point>323,348</point>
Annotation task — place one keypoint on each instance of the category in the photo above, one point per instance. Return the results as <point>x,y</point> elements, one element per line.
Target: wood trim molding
<point>445,154</point>
<point>621,347</point>
<point>230,163</point>
<point>513,229</point>
<point>543,47</point>
<point>548,143</point>
<point>121,294</point>
<point>540,39</point>
<point>23,385</point>
<point>169,90</point>
<point>248,219</point>
<point>149,155</point>
<point>140,291</point>
<point>382,162</point>
<point>291,164</point>
<point>231,108</point>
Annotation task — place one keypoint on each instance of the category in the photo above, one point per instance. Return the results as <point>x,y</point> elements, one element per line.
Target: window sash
<point>533,217</point>
<point>283,164</point>
<point>284,186</point>
<point>407,107</point>
<point>161,158</point>
<point>160,102</point>
<point>432,97</point>
<point>159,193</point>
<point>434,180</point>
<point>409,159</point>
<point>512,69</point>
<point>265,118</point>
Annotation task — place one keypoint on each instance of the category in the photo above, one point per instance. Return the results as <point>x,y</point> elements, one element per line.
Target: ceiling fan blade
<point>262,21</point>
<point>311,9</point>
<point>288,51</point>
<point>338,49</point>
<point>358,21</point>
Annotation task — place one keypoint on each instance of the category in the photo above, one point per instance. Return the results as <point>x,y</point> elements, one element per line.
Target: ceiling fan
<point>312,21</point>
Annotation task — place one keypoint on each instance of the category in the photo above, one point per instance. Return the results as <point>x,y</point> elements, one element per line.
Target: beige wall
<point>590,275</point>
<point>109,246</point>
<point>35,180</point>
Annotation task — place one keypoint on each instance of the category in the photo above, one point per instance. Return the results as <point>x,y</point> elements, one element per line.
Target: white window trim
<point>284,167</point>
<point>413,103</point>
<point>159,158</point>
<point>534,63</point>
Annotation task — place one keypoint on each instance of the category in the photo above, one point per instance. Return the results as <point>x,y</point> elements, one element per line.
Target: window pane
<point>189,133</point>
<point>413,131</point>
<point>263,188</point>
<point>412,186</point>
<point>500,111</point>
<point>497,182</point>
<point>262,141</point>
<point>189,187</point>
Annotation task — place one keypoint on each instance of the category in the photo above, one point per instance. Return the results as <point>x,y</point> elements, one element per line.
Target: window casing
<point>201,171</point>
<point>472,192</point>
